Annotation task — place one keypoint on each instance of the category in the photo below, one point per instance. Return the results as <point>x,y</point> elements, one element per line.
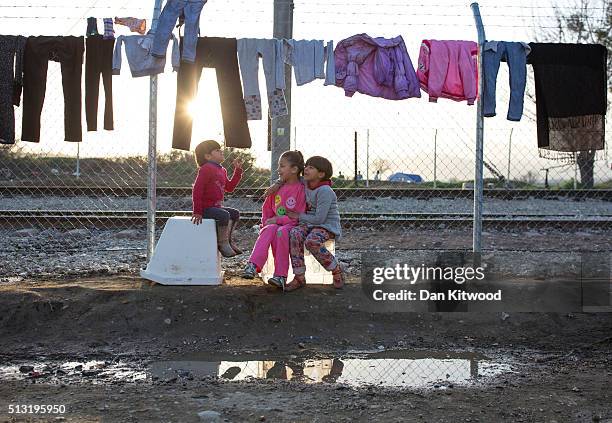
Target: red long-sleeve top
<point>211,184</point>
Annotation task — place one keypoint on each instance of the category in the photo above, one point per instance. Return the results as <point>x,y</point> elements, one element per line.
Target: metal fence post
<point>355,177</point>
<point>280,127</point>
<point>152,171</point>
<point>77,172</point>
<point>478,165</point>
<point>509,156</point>
<point>368,159</point>
<point>575,171</point>
<point>435,163</point>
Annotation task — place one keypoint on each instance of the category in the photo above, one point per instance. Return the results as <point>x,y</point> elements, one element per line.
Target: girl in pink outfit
<point>276,224</point>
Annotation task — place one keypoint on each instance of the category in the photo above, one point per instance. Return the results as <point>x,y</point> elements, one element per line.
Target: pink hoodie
<point>289,197</point>
<point>449,69</point>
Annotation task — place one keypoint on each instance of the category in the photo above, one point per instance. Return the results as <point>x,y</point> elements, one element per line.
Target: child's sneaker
<point>278,281</point>
<point>250,271</point>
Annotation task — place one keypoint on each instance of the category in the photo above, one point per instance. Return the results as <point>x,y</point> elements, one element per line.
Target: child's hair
<point>296,159</point>
<point>322,165</point>
<point>205,147</point>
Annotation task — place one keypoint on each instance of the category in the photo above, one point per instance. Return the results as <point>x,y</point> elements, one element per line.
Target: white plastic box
<point>315,273</point>
<point>186,254</point>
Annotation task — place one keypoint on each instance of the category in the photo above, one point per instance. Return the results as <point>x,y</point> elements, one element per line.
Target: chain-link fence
<point>399,166</point>
<point>381,372</point>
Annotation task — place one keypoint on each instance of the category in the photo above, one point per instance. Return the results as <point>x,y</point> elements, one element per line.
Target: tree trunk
<point>586,161</point>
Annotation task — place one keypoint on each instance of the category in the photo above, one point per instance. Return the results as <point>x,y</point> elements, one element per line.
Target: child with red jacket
<point>209,188</point>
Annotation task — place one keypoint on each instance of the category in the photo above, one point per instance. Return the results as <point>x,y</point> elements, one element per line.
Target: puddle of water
<point>73,371</point>
<point>10,279</point>
<point>417,373</point>
<point>388,369</point>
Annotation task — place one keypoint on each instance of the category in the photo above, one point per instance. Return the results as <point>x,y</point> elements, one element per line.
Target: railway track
<point>420,193</point>
<point>138,219</point>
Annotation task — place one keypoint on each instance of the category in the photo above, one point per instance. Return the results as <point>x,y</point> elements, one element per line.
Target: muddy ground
<point>557,366</point>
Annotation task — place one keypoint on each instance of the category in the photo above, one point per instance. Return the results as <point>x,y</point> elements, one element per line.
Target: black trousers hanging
<point>221,54</point>
<point>11,71</point>
<point>98,61</point>
<point>69,52</point>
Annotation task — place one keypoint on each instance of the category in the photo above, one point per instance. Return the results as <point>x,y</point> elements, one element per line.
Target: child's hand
<point>293,215</point>
<point>271,221</point>
<point>237,163</point>
<point>272,189</point>
<point>196,219</point>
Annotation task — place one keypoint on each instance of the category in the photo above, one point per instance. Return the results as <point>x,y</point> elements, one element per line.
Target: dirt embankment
<point>561,362</point>
<point>88,315</point>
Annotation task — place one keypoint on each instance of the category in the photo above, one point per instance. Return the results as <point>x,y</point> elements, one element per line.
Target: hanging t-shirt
<point>140,59</point>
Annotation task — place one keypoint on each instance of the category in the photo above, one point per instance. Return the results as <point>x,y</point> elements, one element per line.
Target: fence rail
<point>422,193</point>
<point>137,218</point>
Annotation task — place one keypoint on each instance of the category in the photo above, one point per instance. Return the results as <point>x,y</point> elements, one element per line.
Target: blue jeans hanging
<point>167,20</point>
<point>515,54</point>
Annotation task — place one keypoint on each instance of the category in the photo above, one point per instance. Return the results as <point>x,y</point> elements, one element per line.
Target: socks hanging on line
<point>135,25</point>
<point>109,31</point>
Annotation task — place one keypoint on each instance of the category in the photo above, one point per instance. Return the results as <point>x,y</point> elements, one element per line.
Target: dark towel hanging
<point>571,88</point>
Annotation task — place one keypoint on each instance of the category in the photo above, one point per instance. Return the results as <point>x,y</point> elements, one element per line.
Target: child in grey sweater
<point>320,223</point>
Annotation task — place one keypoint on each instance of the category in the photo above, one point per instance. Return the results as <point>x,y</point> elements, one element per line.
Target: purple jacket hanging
<point>379,67</point>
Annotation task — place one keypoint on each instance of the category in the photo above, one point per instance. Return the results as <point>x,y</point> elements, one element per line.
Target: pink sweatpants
<point>276,236</point>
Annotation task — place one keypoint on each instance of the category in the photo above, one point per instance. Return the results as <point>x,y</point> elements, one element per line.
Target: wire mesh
<point>404,165</point>
<point>380,372</point>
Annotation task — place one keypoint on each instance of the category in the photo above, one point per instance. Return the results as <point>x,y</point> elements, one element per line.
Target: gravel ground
<point>386,205</point>
<point>43,253</point>
<point>51,253</point>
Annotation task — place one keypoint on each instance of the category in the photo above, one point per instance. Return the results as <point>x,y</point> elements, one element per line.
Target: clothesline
<point>319,22</point>
<point>377,67</point>
<point>442,5</point>
<point>345,4</point>
<point>318,12</point>
<point>347,22</point>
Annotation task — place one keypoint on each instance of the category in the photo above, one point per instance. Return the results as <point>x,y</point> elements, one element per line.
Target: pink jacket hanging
<point>449,69</point>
